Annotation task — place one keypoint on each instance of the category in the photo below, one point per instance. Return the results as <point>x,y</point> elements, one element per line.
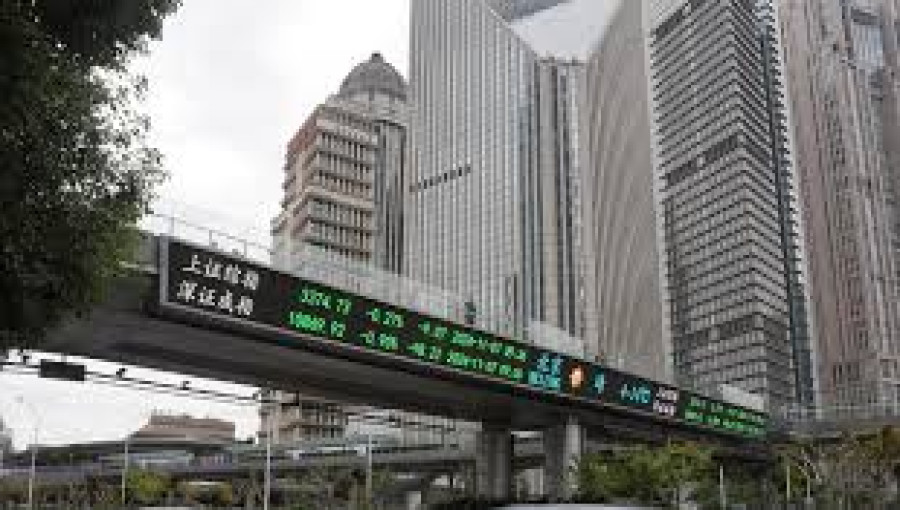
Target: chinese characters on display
<point>226,287</point>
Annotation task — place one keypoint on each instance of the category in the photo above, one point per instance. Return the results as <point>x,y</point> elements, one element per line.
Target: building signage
<point>199,280</point>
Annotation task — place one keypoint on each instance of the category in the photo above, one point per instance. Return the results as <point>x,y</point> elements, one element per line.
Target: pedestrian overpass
<point>197,310</point>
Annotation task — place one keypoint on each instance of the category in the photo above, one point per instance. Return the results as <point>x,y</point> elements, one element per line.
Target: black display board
<point>199,280</point>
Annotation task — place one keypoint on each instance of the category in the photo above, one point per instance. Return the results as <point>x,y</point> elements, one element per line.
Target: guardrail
<point>838,417</point>
<point>189,230</point>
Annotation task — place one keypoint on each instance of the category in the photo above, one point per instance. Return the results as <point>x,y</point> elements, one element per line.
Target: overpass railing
<point>313,263</point>
<point>835,418</point>
<point>324,266</point>
<point>254,248</point>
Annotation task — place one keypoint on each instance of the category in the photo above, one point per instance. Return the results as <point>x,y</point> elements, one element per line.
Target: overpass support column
<point>563,444</point>
<point>493,462</point>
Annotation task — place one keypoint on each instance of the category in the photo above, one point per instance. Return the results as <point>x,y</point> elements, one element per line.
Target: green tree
<point>645,475</point>
<point>686,467</point>
<point>855,470</point>
<point>633,475</point>
<point>803,466</point>
<point>878,457</point>
<point>75,169</point>
<point>147,487</point>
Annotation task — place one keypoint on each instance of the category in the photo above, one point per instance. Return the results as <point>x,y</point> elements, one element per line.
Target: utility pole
<point>34,445</point>
<point>787,482</point>
<point>723,493</point>
<point>31,473</point>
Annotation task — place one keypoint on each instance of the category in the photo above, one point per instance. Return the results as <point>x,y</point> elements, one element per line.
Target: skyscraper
<point>493,190</point>
<point>842,62</point>
<point>623,285</point>
<point>735,301</point>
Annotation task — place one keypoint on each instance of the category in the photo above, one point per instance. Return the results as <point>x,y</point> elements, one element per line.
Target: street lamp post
<point>35,424</point>
<point>125,467</point>
<point>267,484</point>
<point>723,491</point>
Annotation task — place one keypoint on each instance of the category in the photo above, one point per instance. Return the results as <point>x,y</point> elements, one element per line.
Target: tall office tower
<point>842,62</point>
<point>343,171</point>
<point>736,304</point>
<point>622,265</point>
<point>493,194</point>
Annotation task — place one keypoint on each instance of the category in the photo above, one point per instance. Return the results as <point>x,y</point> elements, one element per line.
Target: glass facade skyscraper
<point>623,288</point>
<point>492,193</point>
<point>842,63</point>
<point>736,303</point>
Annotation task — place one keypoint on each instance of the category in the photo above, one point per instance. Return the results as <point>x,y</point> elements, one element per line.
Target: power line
<point>187,390</point>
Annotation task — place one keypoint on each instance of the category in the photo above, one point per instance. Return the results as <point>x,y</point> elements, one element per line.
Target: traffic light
<point>62,370</point>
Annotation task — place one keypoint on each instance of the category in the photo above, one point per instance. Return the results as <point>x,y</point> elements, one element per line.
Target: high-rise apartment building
<point>736,305</point>
<point>493,190</point>
<point>842,65</point>
<point>623,286</point>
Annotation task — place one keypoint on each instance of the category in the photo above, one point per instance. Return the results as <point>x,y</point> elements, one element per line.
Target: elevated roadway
<point>130,327</point>
<point>135,326</point>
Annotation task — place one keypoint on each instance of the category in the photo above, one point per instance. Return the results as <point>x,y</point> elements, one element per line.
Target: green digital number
<point>388,342</point>
<point>387,318</point>
<point>462,339</point>
<point>393,319</point>
<point>315,298</point>
<point>306,322</point>
<point>343,306</point>
<point>338,329</point>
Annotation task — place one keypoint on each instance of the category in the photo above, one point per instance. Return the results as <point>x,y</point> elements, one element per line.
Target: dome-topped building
<point>374,76</point>
<point>344,194</point>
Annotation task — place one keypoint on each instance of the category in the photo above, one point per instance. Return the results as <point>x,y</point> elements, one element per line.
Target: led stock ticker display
<point>199,280</point>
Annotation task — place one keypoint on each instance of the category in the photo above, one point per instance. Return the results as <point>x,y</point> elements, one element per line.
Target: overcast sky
<point>570,29</point>
<point>232,81</point>
<point>229,84</point>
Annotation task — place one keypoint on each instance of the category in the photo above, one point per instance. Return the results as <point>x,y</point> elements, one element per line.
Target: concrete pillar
<point>493,463</point>
<point>414,500</point>
<point>563,445</point>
